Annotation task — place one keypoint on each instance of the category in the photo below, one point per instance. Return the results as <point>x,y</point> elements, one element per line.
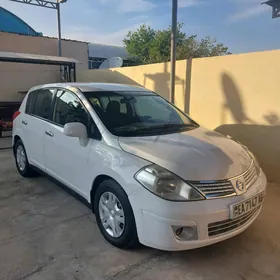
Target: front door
<point>66,159</point>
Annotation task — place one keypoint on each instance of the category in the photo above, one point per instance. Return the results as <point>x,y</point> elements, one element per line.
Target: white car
<point>151,174</point>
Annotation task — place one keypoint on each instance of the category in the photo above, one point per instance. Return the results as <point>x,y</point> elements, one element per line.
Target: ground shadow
<point>233,101</point>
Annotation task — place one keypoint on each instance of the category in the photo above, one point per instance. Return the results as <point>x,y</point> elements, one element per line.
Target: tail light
<point>17,113</point>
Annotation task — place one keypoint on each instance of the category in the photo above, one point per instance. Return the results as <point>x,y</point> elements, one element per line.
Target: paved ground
<point>5,141</point>
<point>47,234</point>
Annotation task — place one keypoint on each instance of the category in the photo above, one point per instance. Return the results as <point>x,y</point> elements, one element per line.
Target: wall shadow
<point>272,118</point>
<point>262,140</point>
<point>162,82</point>
<point>233,101</point>
<point>106,76</point>
<point>114,76</point>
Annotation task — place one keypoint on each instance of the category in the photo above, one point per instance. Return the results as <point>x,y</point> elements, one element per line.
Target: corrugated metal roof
<point>106,51</point>
<point>47,37</point>
<point>36,59</point>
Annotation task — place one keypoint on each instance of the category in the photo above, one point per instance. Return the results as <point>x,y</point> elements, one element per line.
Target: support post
<point>59,29</point>
<point>74,74</point>
<point>173,50</point>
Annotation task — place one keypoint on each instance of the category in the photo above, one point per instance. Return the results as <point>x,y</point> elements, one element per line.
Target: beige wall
<point>154,77</point>
<point>236,95</point>
<point>15,77</point>
<point>239,95</point>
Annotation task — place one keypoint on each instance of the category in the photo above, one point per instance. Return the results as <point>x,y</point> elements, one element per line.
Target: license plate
<point>240,209</point>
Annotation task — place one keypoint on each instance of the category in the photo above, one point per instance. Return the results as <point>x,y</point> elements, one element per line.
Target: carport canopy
<point>28,58</point>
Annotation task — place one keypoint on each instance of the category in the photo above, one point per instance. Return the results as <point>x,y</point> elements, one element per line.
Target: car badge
<point>240,185</point>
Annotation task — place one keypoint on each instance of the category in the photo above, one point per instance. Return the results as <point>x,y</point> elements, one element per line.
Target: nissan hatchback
<point>151,174</point>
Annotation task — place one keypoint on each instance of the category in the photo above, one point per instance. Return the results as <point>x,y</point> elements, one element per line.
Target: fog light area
<point>185,233</point>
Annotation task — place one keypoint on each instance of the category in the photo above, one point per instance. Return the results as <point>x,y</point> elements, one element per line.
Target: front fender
<point>116,164</point>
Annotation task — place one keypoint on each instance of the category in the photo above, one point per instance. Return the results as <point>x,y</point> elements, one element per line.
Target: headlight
<point>166,185</point>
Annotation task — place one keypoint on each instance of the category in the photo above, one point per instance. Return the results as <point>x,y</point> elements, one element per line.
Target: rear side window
<point>30,102</point>
<point>43,104</point>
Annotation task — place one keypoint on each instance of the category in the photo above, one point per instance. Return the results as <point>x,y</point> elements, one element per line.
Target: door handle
<point>49,133</point>
<point>24,122</point>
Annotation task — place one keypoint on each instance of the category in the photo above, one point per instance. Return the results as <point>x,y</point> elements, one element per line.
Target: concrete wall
<point>236,95</point>
<point>15,77</point>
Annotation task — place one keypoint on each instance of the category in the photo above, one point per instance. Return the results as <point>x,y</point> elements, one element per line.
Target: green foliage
<point>147,45</point>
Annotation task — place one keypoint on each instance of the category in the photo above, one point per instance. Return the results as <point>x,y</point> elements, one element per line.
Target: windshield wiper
<point>173,125</point>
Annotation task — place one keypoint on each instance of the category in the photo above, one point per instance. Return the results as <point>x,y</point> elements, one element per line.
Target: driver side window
<point>68,108</point>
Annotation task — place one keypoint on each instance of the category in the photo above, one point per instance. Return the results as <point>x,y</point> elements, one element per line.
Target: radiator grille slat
<point>223,188</point>
<point>229,225</point>
<point>251,176</point>
<point>215,189</point>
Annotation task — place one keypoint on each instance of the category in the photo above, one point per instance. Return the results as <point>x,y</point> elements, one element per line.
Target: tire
<point>126,234</point>
<point>22,164</point>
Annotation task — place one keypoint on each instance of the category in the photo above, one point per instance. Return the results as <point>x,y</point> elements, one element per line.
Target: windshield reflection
<point>138,113</point>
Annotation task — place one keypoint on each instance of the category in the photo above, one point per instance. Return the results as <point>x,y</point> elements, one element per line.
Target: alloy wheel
<point>21,158</point>
<point>111,214</point>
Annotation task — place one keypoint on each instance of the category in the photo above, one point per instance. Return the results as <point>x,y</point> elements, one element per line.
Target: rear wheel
<point>22,163</point>
<point>114,215</point>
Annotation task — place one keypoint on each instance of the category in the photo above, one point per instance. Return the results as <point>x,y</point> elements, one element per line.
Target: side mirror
<point>76,129</point>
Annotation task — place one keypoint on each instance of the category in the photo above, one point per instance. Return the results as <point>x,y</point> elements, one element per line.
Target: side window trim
<point>54,106</point>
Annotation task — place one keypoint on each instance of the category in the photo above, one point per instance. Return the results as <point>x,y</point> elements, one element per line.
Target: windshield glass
<point>138,113</point>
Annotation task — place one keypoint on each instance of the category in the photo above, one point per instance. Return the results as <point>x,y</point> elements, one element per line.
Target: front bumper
<point>155,218</point>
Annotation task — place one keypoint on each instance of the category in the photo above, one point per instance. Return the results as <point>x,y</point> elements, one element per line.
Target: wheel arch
<point>97,181</point>
<point>16,138</point>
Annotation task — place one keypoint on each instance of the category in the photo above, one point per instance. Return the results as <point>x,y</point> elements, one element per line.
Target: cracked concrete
<point>45,233</point>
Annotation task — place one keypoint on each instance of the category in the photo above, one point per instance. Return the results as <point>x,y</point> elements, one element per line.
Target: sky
<point>241,25</point>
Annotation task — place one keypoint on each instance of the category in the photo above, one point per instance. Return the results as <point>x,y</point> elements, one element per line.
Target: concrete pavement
<point>45,233</point>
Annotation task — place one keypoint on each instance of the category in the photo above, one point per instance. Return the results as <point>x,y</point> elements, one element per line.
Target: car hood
<point>196,155</point>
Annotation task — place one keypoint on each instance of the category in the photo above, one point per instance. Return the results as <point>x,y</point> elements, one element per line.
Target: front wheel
<point>114,215</point>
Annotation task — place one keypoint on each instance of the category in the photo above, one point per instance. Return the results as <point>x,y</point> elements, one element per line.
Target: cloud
<point>128,6</point>
<point>188,3</point>
<point>88,34</point>
<point>247,9</point>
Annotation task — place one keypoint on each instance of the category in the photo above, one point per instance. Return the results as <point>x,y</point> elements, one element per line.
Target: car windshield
<point>138,113</point>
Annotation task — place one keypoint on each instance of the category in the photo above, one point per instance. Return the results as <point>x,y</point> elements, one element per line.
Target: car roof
<point>90,87</point>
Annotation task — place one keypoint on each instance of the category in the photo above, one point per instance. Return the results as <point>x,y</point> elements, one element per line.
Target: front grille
<point>224,188</point>
<point>250,176</point>
<point>221,227</point>
<point>215,189</point>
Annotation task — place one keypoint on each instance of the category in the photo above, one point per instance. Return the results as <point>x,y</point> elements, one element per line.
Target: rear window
<point>43,103</point>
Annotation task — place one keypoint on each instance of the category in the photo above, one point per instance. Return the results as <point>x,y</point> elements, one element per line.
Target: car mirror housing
<point>76,129</point>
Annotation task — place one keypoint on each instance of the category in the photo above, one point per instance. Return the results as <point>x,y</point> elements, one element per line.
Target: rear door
<point>34,122</point>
